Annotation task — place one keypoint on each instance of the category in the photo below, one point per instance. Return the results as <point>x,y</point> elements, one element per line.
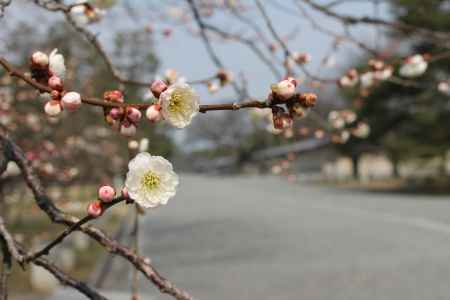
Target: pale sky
<point>187,53</point>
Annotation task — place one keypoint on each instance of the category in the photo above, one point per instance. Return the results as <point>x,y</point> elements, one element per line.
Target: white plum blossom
<point>414,66</point>
<point>179,104</point>
<point>56,64</point>
<point>151,180</point>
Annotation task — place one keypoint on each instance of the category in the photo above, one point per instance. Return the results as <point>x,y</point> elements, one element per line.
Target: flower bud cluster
<point>123,119</point>
<point>344,124</point>
<point>378,71</point>
<point>288,104</point>
<point>50,71</point>
<point>105,195</point>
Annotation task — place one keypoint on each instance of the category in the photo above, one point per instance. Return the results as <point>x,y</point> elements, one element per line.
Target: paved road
<point>262,238</point>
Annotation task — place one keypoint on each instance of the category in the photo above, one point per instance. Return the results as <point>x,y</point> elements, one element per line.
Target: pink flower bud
<point>302,58</point>
<point>134,115</point>
<point>106,193</point>
<point>127,129</point>
<point>55,95</point>
<point>153,113</point>
<point>113,96</point>
<point>71,101</point>
<point>284,89</point>
<point>115,113</point>
<point>40,59</point>
<point>125,192</point>
<point>52,108</point>
<point>94,209</point>
<point>282,121</point>
<point>55,83</point>
<point>157,87</point>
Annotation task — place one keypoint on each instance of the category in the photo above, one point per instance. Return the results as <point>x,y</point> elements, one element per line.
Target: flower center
<point>177,104</point>
<point>150,181</point>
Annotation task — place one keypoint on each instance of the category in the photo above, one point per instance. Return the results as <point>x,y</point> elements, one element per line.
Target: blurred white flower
<point>362,130</point>
<point>350,79</point>
<point>151,180</point>
<point>271,128</point>
<point>346,81</point>
<point>414,66</point>
<point>384,74</point>
<point>52,108</point>
<point>56,64</point>
<point>444,87</point>
<point>143,145</point>
<point>367,79</point>
<point>179,104</point>
<point>84,13</point>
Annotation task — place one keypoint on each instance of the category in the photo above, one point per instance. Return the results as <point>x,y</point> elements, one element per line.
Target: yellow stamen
<point>177,103</point>
<point>150,181</point>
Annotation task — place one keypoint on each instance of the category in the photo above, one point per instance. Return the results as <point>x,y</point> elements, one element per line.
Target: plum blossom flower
<point>414,66</point>
<point>179,104</point>
<point>151,180</point>
<point>56,64</point>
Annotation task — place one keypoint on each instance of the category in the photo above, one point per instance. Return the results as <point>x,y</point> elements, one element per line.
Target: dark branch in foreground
<point>12,152</point>
<point>16,251</point>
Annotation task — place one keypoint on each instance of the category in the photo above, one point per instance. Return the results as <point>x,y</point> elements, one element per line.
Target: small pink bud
<point>125,192</point>
<point>40,59</point>
<point>106,193</point>
<point>71,101</point>
<point>55,83</point>
<point>52,108</point>
<point>55,95</point>
<point>134,115</point>
<point>94,209</point>
<point>127,129</point>
<point>302,58</point>
<point>293,81</point>
<point>157,87</point>
<point>284,89</point>
<point>115,113</point>
<point>153,113</point>
<point>113,96</point>
<point>282,121</point>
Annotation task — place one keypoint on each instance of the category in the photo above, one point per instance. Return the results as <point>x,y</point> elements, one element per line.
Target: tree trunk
<point>355,166</point>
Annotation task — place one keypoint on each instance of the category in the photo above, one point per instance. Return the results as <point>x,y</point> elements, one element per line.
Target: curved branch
<point>14,153</point>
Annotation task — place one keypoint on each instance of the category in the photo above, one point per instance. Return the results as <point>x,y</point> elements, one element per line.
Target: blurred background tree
<point>412,121</point>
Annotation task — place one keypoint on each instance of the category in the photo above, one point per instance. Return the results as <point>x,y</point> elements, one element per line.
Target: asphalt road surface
<point>263,238</point>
